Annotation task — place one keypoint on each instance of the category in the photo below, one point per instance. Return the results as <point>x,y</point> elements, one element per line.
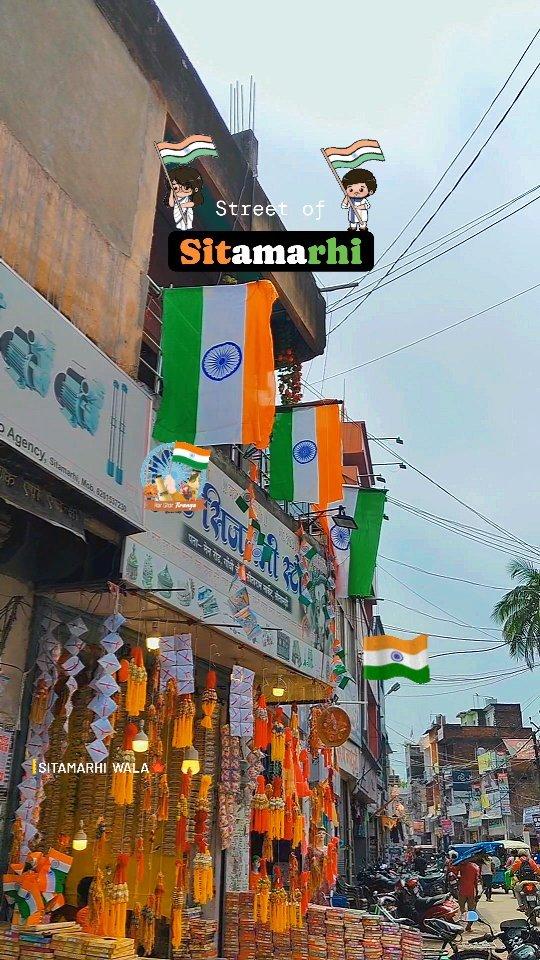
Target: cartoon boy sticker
<point>358,185</point>
<point>185,194</point>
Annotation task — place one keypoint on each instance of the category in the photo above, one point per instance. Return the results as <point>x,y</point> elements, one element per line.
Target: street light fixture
<point>392,463</point>
<point>341,518</point>
<point>393,688</point>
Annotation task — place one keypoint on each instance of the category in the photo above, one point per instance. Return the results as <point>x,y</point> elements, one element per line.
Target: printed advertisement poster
<point>192,561</point>
<point>66,406</point>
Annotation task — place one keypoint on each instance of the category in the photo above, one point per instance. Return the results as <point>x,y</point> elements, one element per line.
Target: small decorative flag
<point>193,147</point>
<point>305,454</point>
<point>195,457</point>
<point>218,365</point>
<point>359,152</point>
<point>387,657</point>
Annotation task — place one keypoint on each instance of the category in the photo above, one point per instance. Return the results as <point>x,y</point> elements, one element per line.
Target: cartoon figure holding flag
<point>357,184</point>
<point>184,182</point>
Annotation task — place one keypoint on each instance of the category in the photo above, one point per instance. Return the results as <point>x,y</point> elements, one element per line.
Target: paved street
<point>501,907</point>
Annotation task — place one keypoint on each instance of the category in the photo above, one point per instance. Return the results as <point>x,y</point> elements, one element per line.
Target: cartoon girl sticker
<point>185,194</point>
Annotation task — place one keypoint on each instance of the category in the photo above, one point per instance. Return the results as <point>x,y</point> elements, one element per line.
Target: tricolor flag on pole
<point>359,152</point>
<point>192,148</point>
<point>387,657</point>
<point>355,551</point>
<point>218,365</point>
<point>195,457</point>
<point>305,454</point>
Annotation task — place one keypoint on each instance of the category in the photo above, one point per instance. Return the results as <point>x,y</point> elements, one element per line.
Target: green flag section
<point>355,551</point>
<point>387,657</point>
<point>305,454</point>
<point>218,365</point>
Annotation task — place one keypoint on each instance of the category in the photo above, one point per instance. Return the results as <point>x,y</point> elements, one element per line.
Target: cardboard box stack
<point>391,941</point>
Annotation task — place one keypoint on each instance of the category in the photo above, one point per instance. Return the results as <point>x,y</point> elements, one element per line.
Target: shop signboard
<point>529,813</point>
<point>191,561</point>
<point>65,406</point>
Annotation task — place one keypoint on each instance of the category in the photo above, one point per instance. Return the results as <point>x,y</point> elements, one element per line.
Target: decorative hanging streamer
<point>229,785</point>
<point>277,811</point>
<point>72,666</point>
<point>182,843</point>
<point>260,817</point>
<point>136,684</point>
<point>279,906</point>
<point>159,890</point>
<point>203,877</point>
<point>123,774</point>
<point>277,743</point>
<point>177,906</point>
<point>262,896</point>
<point>183,722</point>
<point>240,605</point>
<point>176,659</point>
<point>148,924</point>
<point>209,699</point>
<point>241,702</point>
<point>261,738</point>
<point>31,788</point>
<point>105,686</point>
<point>116,899</point>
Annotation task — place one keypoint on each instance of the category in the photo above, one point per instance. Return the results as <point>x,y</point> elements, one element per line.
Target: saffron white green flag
<point>355,551</point>
<point>387,657</point>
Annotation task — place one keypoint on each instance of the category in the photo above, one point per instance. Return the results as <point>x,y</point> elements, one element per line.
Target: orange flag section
<point>386,642</point>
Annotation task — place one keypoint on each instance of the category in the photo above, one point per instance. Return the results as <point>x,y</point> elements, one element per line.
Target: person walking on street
<point>487,869</point>
<point>468,876</point>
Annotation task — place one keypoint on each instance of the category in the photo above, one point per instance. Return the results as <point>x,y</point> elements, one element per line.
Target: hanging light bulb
<point>153,641</point>
<point>278,690</point>
<point>190,763</point>
<point>80,840</point>
<point>140,740</point>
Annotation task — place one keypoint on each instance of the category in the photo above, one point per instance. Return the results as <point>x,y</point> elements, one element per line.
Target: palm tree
<point>519,613</point>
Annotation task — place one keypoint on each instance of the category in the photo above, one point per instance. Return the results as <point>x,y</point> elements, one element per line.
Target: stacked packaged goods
<point>354,935</point>
<point>335,934</point>
<point>412,945</point>
<point>246,927</point>
<point>391,941</point>
<point>231,927</point>
<point>316,927</point>
<point>9,944</point>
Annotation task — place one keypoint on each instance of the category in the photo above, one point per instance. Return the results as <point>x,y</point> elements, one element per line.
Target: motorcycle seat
<point>444,926</point>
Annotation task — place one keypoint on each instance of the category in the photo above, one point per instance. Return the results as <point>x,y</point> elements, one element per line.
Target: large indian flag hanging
<point>218,365</point>
<point>387,657</point>
<point>355,551</point>
<point>305,454</point>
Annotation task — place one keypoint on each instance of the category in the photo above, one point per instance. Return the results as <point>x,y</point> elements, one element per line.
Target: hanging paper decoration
<point>31,788</point>
<point>136,684</point>
<point>230,396</point>
<point>241,702</point>
<point>176,661</point>
<point>386,657</point>
<point>209,699</point>
<point>305,454</point>
<point>72,666</point>
<point>105,687</point>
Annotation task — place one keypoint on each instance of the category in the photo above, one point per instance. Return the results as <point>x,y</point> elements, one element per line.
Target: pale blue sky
<point>417,77</point>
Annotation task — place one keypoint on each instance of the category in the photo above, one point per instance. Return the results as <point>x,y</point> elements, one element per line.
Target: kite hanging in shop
<point>386,657</point>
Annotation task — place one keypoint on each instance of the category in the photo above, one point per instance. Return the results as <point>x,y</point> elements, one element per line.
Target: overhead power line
<point>428,336</point>
<point>429,259</point>
<point>448,194</point>
<point>441,576</point>
<point>461,149</point>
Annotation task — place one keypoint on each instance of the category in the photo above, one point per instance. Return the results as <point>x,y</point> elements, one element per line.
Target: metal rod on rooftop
<point>253,127</point>
<point>242,101</point>
<point>230,107</point>
<point>250,101</point>
<point>237,106</point>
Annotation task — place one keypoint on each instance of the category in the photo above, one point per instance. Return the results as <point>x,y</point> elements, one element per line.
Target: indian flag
<point>195,457</point>
<point>218,365</point>
<point>355,551</point>
<point>177,154</point>
<point>359,152</point>
<point>305,454</point>
<point>387,657</point>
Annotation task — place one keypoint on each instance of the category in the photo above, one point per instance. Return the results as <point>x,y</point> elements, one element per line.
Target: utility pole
<point>536,751</point>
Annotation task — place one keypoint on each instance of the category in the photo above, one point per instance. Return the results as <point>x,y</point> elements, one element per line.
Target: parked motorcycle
<point>519,938</point>
<point>410,903</point>
<point>530,901</point>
